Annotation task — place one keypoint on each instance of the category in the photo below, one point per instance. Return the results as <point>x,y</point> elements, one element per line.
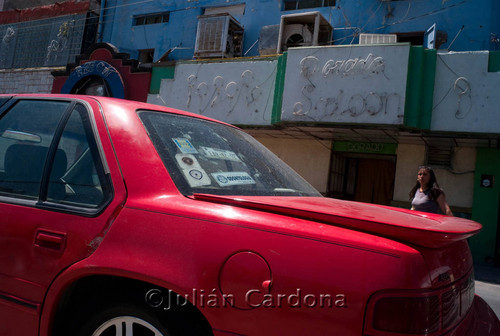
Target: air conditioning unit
<point>303,29</point>
<point>297,35</point>
<point>377,38</point>
<point>218,35</point>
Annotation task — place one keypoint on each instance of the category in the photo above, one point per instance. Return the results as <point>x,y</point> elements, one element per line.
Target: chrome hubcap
<point>127,326</point>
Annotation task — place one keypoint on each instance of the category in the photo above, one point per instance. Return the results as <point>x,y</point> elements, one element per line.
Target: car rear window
<point>208,157</point>
<point>3,100</point>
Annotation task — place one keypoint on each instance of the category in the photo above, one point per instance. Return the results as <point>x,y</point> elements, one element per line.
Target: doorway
<point>362,177</point>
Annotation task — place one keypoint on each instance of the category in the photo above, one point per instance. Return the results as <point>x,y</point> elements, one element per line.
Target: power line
<point>105,18</point>
<point>433,12</point>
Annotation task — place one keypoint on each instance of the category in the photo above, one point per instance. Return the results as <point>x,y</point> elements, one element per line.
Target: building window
<point>301,4</point>
<point>151,19</point>
<point>415,38</point>
<point>146,55</point>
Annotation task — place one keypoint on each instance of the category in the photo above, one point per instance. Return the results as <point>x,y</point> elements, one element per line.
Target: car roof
<point>108,101</point>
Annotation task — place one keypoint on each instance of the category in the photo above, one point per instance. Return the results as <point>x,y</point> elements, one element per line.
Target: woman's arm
<point>443,205</point>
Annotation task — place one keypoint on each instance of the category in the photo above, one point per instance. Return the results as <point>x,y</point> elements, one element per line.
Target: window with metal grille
<point>342,182</point>
<point>151,19</point>
<point>301,4</point>
<point>47,42</point>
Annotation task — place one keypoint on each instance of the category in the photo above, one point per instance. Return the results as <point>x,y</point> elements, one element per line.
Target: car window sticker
<point>233,178</point>
<point>214,153</point>
<point>193,173</point>
<point>185,146</point>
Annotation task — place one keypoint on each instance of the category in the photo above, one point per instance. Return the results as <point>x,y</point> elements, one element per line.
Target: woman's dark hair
<point>435,190</point>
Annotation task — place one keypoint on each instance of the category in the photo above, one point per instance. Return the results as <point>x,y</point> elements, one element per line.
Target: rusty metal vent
<point>439,156</point>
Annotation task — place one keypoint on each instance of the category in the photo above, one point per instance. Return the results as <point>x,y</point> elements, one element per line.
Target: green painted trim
<point>420,87</point>
<point>494,61</point>
<point>428,80</point>
<point>229,60</point>
<point>365,147</point>
<point>278,88</point>
<point>485,205</point>
<point>413,87</point>
<point>157,75</point>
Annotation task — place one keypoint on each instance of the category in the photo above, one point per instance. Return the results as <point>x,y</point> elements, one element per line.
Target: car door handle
<point>50,240</point>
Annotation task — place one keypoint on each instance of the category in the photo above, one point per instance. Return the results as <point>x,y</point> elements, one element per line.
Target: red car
<point>124,218</point>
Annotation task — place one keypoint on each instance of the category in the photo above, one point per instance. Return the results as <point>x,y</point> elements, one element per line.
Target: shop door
<point>375,181</point>
<point>362,179</point>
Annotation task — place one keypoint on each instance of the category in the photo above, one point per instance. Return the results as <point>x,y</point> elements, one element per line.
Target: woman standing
<point>426,195</point>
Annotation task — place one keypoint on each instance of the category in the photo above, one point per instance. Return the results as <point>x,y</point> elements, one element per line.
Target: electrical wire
<point>354,35</point>
<point>124,18</point>
<point>433,12</point>
<point>405,20</point>
<point>369,19</point>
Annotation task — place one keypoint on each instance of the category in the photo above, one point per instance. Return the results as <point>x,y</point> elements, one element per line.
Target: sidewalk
<point>487,285</point>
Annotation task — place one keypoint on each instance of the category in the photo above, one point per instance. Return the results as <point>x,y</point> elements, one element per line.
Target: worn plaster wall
<point>466,95</point>
<point>346,84</point>
<point>309,158</point>
<point>457,181</point>
<point>234,92</point>
<point>21,4</point>
<point>409,157</point>
<point>26,80</point>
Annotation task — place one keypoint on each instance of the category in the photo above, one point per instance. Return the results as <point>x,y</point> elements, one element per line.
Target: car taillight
<point>419,312</point>
<point>410,315</point>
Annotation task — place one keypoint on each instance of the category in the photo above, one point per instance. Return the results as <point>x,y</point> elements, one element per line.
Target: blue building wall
<point>469,24</point>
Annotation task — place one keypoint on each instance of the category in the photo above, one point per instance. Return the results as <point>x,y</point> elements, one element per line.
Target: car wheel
<point>123,321</point>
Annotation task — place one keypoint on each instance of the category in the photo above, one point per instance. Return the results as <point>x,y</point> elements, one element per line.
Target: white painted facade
<point>239,93</point>
<point>457,181</point>
<point>355,84</point>
<point>466,95</point>
<point>36,80</point>
<point>309,158</point>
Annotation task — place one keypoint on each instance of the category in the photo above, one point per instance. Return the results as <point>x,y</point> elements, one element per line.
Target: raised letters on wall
<point>350,84</point>
<point>235,92</point>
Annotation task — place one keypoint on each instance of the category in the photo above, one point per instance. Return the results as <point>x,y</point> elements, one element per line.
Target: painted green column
<point>159,73</point>
<point>494,61</point>
<point>278,88</point>
<point>420,87</point>
<point>485,205</point>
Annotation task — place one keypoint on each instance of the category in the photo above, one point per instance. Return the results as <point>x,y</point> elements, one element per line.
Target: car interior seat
<point>24,164</point>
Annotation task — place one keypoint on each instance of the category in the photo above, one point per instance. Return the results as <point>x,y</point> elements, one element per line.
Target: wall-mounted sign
<point>240,93</point>
<point>103,71</point>
<point>346,84</point>
<point>466,95</point>
<point>365,147</point>
<point>487,181</point>
<point>100,75</point>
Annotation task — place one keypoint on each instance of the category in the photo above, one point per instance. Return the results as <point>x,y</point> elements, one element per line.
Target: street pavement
<point>488,285</point>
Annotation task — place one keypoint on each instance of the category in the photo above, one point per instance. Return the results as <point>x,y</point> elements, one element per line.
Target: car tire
<point>123,320</point>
